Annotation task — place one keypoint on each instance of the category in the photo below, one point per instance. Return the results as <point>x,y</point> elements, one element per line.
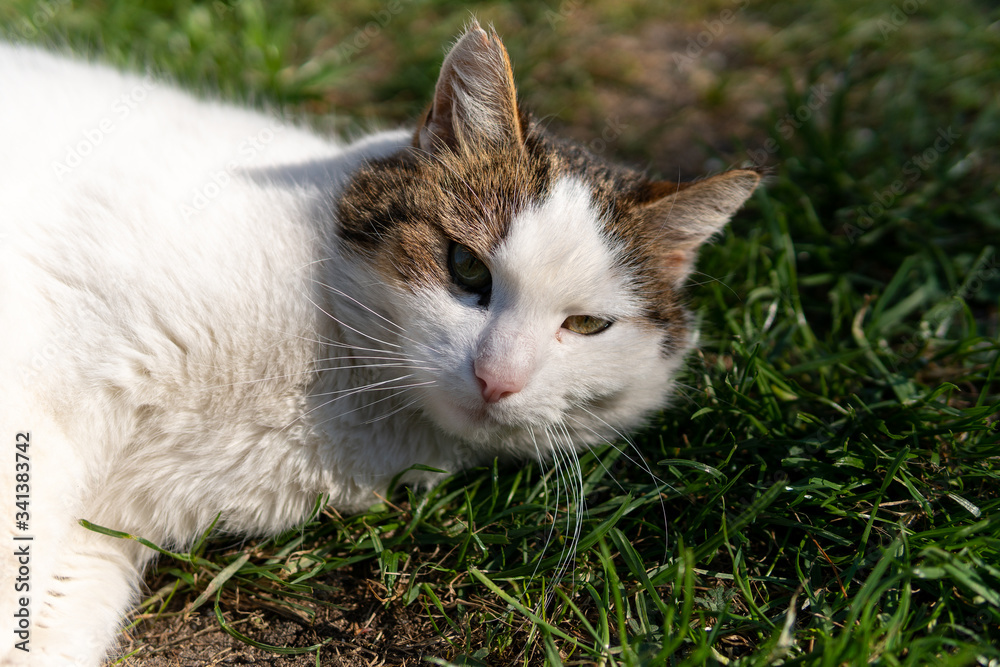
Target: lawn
<point>825,490</point>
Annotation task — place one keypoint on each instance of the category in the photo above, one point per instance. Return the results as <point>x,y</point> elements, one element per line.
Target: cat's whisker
<point>711,280</point>
<point>392,362</point>
<point>289,334</point>
<point>397,410</point>
<point>332,365</point>
<point>640,462</point>
<point>568,464</point>
<point>268,378</point>
<point>568,547</point>
<point>352,392</point>
<point>360,366</point>
<point>554,505</point>
<point>380,354</point>
<point>348,362</point>
<point>334,344</point>
<point>554,455</point>
<point>375,350</point>
<point>349,327</point>
<point>542,459</point>
<point>374,386</point>
<point>400,329</point>
<point>368,405</point>
<point>618,433</point>
<point>355,301</point>
<point>349,346</point>
<point>571,476</point>
<point>368,357</point>
<point>429,367</point>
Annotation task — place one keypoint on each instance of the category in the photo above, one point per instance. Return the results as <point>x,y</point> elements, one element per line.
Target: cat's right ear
<point>684,216</point>
<point>475,103</point>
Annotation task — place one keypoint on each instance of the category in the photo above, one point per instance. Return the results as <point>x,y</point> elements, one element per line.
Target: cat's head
<point>538,289</point>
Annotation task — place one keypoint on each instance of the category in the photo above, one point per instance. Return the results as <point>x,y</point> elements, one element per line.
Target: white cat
<point>204,309</point>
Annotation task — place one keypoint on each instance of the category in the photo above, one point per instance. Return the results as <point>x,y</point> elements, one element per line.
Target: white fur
<point>167,299</point>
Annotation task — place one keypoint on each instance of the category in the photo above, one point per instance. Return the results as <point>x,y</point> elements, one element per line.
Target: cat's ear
<point>685,216</point>
<point>474,101</point>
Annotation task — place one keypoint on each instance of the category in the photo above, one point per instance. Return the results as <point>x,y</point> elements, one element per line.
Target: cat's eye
<point>586,324</point>
<point>468,270</point>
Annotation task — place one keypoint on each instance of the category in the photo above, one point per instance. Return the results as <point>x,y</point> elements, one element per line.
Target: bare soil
<point>362,629</point>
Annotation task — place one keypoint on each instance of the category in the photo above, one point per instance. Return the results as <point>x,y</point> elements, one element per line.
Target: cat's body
<point>205,310</point>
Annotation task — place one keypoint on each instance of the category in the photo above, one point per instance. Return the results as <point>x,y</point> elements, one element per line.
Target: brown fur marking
<point>461,183</point>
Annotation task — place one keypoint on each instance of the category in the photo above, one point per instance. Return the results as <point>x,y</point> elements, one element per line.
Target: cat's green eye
<point>586,324</point>
<point>468,270</point>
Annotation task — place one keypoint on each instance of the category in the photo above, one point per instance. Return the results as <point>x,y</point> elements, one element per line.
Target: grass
<point>825,491</point>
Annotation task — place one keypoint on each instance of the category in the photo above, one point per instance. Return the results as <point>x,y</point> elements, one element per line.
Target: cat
<point>208,311</point>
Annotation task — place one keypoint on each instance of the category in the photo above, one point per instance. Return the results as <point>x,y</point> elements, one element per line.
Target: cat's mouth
<point>486,421</point>
<point>469,419</point>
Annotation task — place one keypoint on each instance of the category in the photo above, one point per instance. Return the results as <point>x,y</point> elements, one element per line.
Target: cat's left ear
<point>475,102</point>
<point>683,217</point>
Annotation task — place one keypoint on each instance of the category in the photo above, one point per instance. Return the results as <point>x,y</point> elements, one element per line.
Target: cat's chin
<point>473,423</point>
<point>481,424</point>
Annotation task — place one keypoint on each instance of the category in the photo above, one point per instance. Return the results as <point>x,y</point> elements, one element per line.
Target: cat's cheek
<point>597,381</point>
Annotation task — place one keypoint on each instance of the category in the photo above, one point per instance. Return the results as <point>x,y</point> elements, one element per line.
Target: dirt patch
<point>682,108</point>
<point>358,628</point>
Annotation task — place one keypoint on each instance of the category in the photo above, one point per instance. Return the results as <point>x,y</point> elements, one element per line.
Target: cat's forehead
<point>556,253</point>
<point>558,227</point>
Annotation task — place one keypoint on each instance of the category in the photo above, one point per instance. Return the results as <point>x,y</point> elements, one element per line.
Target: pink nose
<point>494,388</point>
